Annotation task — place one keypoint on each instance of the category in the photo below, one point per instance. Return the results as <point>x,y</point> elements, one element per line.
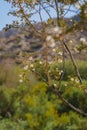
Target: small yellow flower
<point>57,30</point>
<point>30,58</point>
<point>26,67</point>
<point>57,69</point>
<point>48,38</point>
<point>21,81</point>
<point>52,44</point>
<point>70,41</point>
<point>60,61</point>
<point>60,72</point>
<point>65,84</point>
<point>20,75</point>
<point>33,69</point>
<point>40,63</point>
<point>60,53</point>
<point>50,62</point>
<point>55,85</point>
<point>54,50</point>
<point>76,80</point>
<point>31,65</point>
<point>72,79</point>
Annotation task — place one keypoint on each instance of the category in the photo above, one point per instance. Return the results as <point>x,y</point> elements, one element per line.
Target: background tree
<point>25,9</point>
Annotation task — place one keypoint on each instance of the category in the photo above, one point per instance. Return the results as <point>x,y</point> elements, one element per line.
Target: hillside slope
<point>23,40</point>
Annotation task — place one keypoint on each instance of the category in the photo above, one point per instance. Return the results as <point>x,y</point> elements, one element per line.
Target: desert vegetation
<point>43,70</point>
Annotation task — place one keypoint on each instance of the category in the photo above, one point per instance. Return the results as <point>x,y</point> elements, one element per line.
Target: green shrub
<point>8,124</point>
<point>9,75</point>
<point>31,106</point>
<point>70,71</point>
<point>37,108</point>
<point>6,101</point>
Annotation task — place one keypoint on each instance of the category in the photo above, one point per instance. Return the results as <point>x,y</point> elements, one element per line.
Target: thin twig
<point>57,11</point>
<point>68,103</point>
<point>28,22</point>
<point>46,11</point>
<point>73,61</point>
<point>47,67</point>
<point>63,68</point>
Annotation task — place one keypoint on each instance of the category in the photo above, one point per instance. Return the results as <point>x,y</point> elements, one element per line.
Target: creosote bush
<point>36,107</point>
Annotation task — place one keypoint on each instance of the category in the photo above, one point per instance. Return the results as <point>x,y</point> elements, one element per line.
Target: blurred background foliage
<point>33,107</point>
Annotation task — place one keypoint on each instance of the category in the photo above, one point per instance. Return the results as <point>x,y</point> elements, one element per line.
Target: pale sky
<point>5,19</point>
